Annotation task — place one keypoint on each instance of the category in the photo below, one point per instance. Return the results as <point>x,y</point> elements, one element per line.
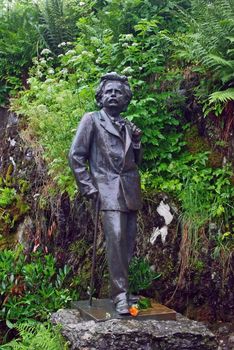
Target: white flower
<point>39,74</point>
<point>64,71</point>
<point>128,36</point>
<point>35,60</point>
<point>125,45</point>
<point>49,80</point>
<point>42,61</point>
<point>61,55</point>
<point>50,71</point>
<point>62,44</point>
<point>127,70</point>
<point>45,52</point>
<point>73,59</point>
<point>70,52</point>
<point>81,3</point>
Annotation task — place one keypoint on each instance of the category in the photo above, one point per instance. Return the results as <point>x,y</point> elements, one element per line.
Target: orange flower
<point>133,310</point>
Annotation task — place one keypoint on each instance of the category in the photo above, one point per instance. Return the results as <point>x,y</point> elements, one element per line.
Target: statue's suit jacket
<point>112,160</point>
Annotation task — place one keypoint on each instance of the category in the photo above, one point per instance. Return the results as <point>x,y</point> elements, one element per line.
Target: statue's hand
<point>136,133</point>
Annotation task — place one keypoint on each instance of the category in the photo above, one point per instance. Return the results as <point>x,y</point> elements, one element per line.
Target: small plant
<point>144,303</point>
<point>224,246</point>
<point>141,275</point>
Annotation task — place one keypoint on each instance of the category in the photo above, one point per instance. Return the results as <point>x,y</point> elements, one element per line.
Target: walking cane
<point>97,208</point>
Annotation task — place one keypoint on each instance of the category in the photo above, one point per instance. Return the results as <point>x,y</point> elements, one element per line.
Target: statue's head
<point>116,82</point>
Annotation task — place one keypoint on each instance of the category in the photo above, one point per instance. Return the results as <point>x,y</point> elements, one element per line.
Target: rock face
<point>182,334</point>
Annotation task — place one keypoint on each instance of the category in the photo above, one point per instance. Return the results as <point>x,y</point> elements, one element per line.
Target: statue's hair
<point>116,77</point>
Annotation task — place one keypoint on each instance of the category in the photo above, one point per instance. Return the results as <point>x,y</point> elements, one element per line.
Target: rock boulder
<point>182,334</point>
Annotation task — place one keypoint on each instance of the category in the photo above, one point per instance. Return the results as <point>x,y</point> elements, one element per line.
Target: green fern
<point>57,24</point>
<point>208,46</point>
<point>36,336</point>
<point>222,96</point>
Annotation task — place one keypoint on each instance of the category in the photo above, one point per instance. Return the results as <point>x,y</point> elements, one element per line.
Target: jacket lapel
<point>106,123</point>
<point>128,138</point>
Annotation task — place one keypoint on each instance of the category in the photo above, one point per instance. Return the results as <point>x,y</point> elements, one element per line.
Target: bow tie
<point>120,123</point>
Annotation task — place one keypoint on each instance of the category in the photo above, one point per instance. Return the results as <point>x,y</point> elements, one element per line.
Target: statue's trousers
<point>120,230</point>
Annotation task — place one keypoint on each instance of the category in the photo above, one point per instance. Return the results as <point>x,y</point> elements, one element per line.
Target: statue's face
<point>114,96</point>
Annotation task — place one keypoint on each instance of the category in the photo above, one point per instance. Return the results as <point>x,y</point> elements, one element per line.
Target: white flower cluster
<point>50,71</point>
<point>70,52</point>
<point>64,44</point>
<point>45,52</point>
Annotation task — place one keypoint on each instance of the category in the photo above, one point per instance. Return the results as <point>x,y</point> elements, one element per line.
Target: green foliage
<point>31,289</point>
<point>144,303</point>
<point>36,336</point>
<point>26,27</point>
<point>204,192</point>
<point>7,196</point>
<point>13,205</point>
<point>208,46</point>
<point>224,245</point>
<point>57,21</point>
<point>18,44</point>
<point>222,96</point>
<point>205,195</point>
<point>141,275</point>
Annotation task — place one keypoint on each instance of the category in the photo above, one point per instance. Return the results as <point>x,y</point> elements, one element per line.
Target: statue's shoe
<point>122,307</point>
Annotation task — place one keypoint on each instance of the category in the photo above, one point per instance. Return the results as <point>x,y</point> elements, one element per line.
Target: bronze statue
<point>111,147</point>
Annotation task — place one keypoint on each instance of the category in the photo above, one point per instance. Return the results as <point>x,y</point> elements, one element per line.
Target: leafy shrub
<point>141,275</point>
<point>31,289</point>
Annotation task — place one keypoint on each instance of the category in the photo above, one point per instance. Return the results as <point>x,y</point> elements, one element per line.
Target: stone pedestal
<point>132,334</point>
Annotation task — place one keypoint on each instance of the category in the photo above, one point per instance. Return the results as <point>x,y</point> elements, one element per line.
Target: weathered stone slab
<point>120,334</point>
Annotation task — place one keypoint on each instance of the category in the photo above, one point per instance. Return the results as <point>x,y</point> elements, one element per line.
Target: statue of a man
<point>111,147</point>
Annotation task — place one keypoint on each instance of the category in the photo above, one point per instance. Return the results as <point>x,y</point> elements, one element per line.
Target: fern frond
<point>215,60</point>
<point>222,96</point>
<point>55,23</point>
<point>35,335</point>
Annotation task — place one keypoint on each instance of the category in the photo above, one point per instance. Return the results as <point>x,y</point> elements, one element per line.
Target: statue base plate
<point>103,310</point>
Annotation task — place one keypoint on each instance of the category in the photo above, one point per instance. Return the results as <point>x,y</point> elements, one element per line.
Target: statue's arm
<point>138,152</point>
<point>79,155</point>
